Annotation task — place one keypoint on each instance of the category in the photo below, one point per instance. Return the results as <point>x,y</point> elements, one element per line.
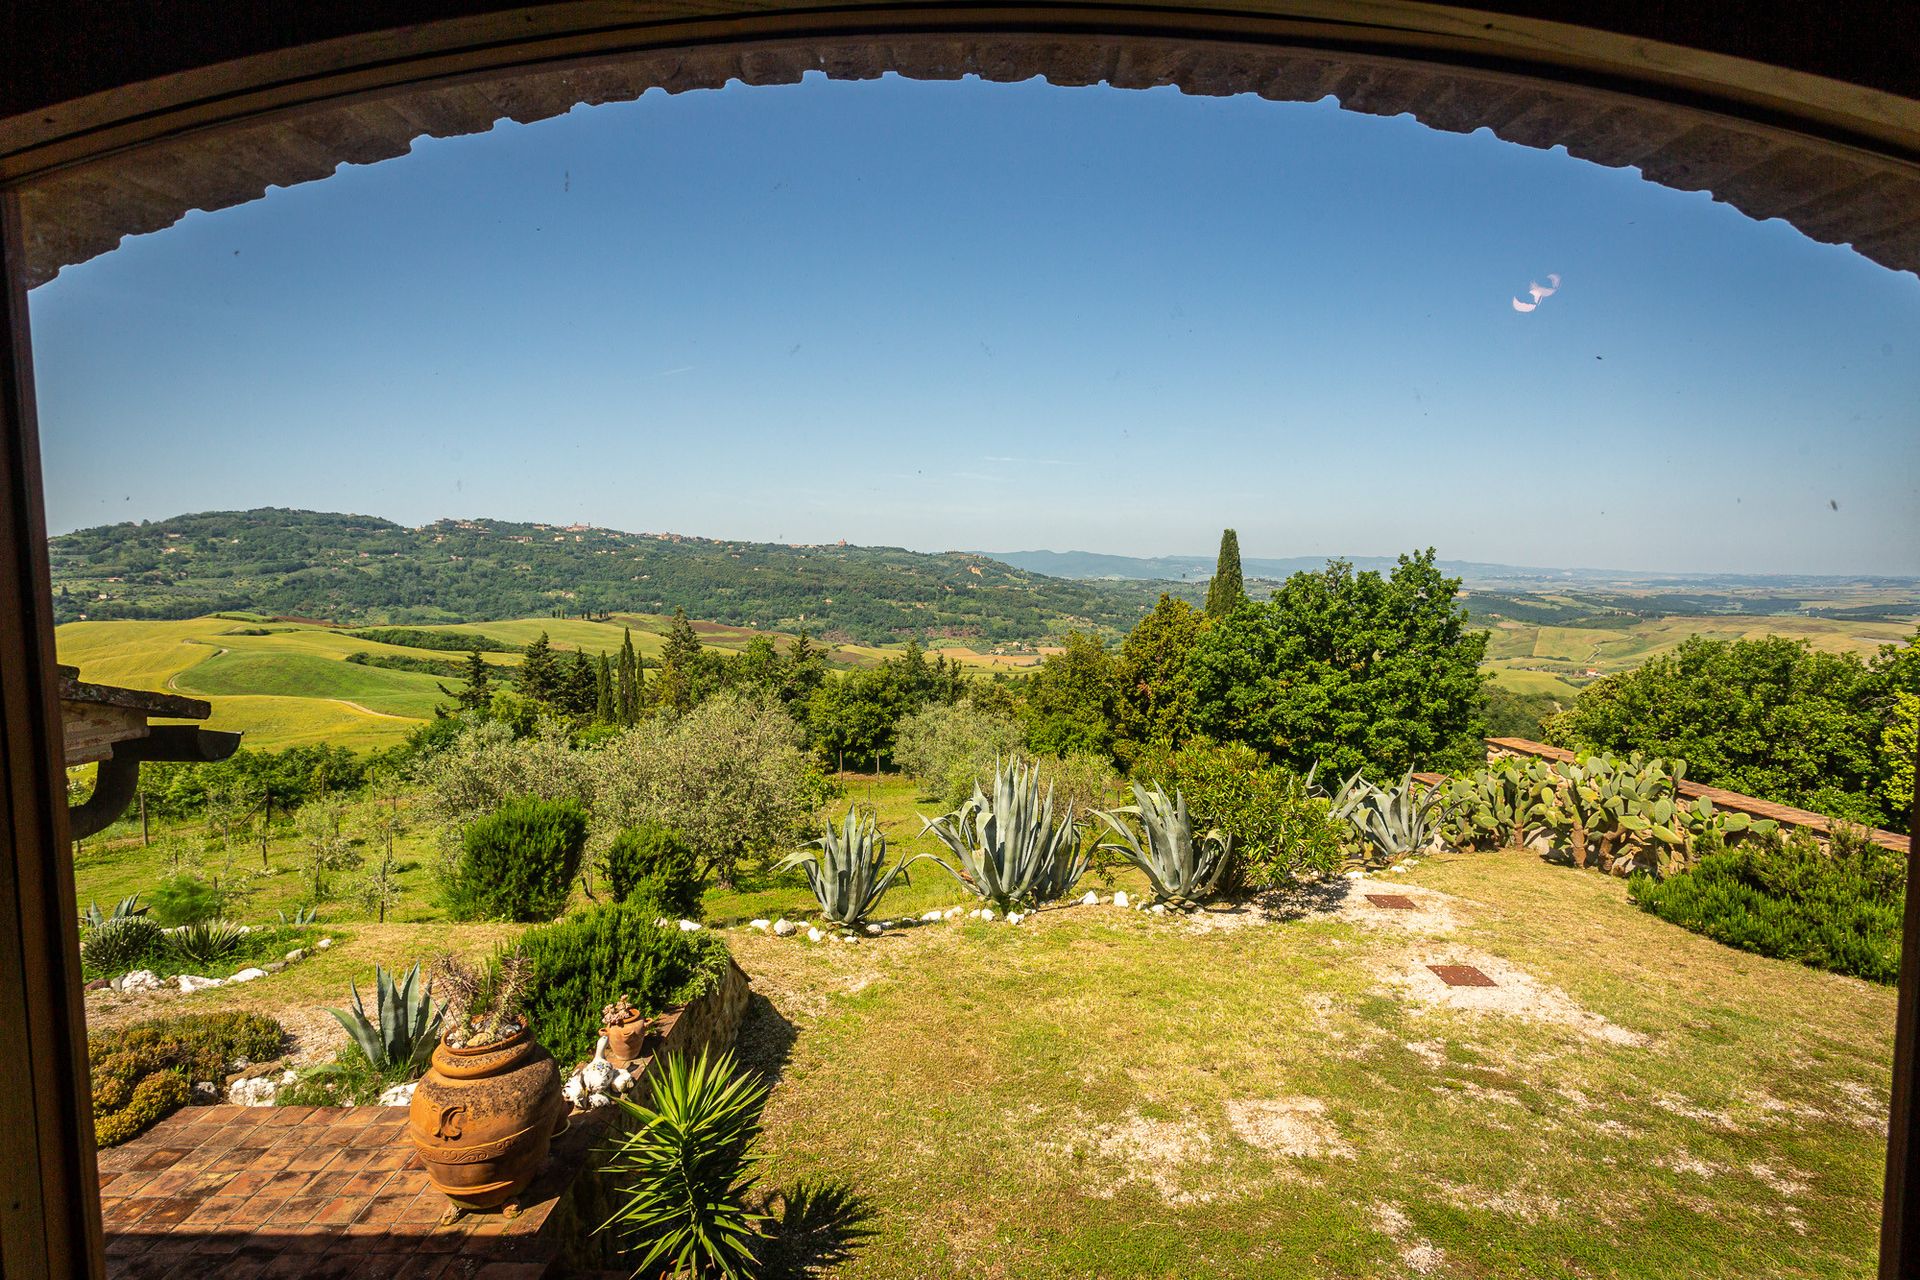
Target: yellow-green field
<point>294,685</point>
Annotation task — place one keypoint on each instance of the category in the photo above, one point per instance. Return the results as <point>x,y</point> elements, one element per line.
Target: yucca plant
<point>1010,847</point>
<point>1184,870</point>
<point>682,1175</point>
<point>846,868</point>
<point>1392,822</point>
<point>405,1024</point>
<point>206,941</point>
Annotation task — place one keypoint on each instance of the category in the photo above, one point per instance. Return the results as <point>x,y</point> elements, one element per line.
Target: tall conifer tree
<point>1228,588</point>
<point>540,677</point>
<point>627,681</point>
<point>604,710</point>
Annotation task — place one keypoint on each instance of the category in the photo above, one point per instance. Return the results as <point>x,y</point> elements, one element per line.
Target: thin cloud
<point>668,373</point>
<point>1539,292</point>
<point>1030,462</point>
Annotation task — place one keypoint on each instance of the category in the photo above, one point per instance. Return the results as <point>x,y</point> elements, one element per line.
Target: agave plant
<point>127,906</point>
<point>405,1024</point>
<point>1392,821</point>
<point>206,941</point>
<point>683,1173</point>
<point>118,943</point>
<point>301,916</point>
<point>846,868</point>
<point>1010,847</point>
<point>1183,870</point>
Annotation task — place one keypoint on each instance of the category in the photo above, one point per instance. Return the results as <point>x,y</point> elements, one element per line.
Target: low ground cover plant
<point>1838,909</point>
<point>518,862</point>
<point>145,1072</point>
<point>579,964</point>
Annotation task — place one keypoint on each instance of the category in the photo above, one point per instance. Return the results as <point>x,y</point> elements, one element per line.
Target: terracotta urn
<point>627,1041</point>
<point>482,1118</point>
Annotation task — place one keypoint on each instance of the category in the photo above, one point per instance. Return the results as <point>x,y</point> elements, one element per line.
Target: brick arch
<point>1839,190</point>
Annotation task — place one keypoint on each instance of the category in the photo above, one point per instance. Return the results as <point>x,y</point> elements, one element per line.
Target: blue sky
<point>966,315</point>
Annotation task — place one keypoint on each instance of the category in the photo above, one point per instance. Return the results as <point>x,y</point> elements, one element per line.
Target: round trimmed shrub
<point>518,862</point>
<point>651,865</point>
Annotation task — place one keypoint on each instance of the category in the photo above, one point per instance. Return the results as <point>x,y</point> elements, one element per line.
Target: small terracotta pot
<point>481,1119</point>
<point>627,1043</point>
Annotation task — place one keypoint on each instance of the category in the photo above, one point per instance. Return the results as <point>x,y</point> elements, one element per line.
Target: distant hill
<point>365,570</point>
<point>1098,566</point>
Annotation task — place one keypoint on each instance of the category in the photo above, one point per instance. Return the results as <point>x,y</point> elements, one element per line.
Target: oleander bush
<point>650,863</point>
<point>580,964</point>
<point>145,1072</point>
<point>1837,909</point>
<point>518,862</point>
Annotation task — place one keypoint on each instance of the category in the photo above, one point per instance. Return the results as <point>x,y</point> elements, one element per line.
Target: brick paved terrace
<point>327,1193</point>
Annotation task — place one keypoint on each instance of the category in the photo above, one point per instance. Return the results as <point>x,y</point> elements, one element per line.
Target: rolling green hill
<point>366,571</point>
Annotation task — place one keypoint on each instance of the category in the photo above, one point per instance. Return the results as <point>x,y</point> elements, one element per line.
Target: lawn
<point>1280,1092</point>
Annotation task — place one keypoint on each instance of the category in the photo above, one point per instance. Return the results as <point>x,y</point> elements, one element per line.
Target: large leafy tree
<point>1153,683</point>
<point>1354,670</point>
<point>1228,587</point>
<point>1771,717</point>
<point>1070,699</point>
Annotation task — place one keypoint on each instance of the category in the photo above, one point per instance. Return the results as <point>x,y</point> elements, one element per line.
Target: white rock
<point>289,1076</point>
<point>875,930</point>
<point>248,975</point>
<point>298,953</point>
<point>205,1093</point>
<point>814,935</point>
<point>690,926</point>
<point>1356,875</point>
<point>1014,917</point>
<point>934,915</point>
<point>323,944</point>
<point>785,927</point>
<point>1091,900</point>
<point>762,925</point>
<point>400,1095</point>
<point>1159,908</point>
<point>1120,899</point>
<point>953,913</point>
<point>140,980</point>
<point>188,982</point>
<point>254,1091</point>
<point>986,913</point>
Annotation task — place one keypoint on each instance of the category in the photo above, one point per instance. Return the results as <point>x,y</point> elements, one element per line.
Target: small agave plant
<point>1010,847</point>
<point>1392,821</point>
<point>1184,870</point>
<point>847,868</point>
<point>405,1024</point>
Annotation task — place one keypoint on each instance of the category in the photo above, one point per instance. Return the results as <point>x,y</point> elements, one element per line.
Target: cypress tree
<point>603,705</point>
<point>540,677</point>
<point>627,681</point>
<point>680,664</point>
<point>1228,588</point>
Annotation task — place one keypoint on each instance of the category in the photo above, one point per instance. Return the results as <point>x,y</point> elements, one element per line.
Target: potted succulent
<point>628,1032</point>
<point>485,1112</point>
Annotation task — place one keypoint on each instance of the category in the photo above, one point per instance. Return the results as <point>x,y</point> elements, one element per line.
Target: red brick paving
<point>300,1193</point>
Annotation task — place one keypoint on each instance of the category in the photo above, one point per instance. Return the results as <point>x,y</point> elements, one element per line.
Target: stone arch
<point>1861,190</point>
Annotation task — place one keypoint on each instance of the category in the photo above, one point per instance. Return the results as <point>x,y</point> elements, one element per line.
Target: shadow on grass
<point>765,1040</point>
<point>1301,901</point>
<point>813,1227</point>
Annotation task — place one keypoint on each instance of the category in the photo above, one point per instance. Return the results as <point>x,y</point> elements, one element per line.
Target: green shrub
<point>1281,833</point>
<point>584,962</point>
<point>186,899</point>
<point>145,1072</point>
<point>518,863</point>
<point>651,863</point>
<point>117,944</point>
<point>682,1175</point>
<point>206,942</point>
<point>1838,910</point>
